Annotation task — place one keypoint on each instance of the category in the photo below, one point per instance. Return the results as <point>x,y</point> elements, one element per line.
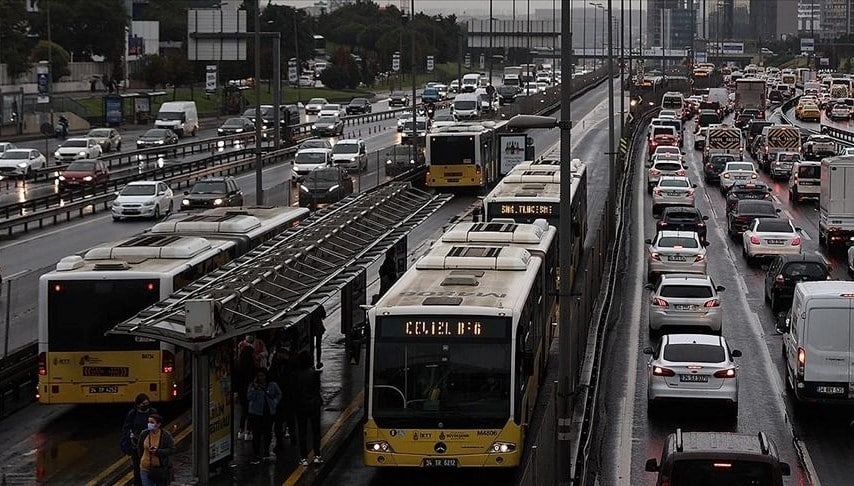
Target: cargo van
<point>470,83</point>
<point>179,116</point>
<point>818,343</point>
<point>467,106</point>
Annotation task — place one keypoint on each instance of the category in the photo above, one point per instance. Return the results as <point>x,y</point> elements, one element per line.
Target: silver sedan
<point>685,301</point>
<point>673,191</point>
<point>675,252</point>
<point>693,367</point>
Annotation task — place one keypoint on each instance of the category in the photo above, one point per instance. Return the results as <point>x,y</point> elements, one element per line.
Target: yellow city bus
<point>463,156</point>
<point>457,351</point>
<point>88,295</point>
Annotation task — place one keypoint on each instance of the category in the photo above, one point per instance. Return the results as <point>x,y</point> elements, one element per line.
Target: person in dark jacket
<point>136,421</point>
<point>264,397</point>
<point>282,371</point>
<point>308,404</point>
<point>156,447</point>
<point>243,376</point>
<point>317,331</point>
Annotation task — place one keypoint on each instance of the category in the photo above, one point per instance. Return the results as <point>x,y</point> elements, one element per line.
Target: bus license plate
<point>439,462</point>
<point>830,390</point>
<point>96,389</point>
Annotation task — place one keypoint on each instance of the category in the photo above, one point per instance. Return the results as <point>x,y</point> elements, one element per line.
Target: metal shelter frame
<point>280,283</point>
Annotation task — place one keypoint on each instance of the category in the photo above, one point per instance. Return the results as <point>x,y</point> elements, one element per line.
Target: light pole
<point>490,41</point>
<point>259,163</point>
<point>583,32</point>
<point>414,106</point>
<point>612,190</point>
<point>528,53</point>
<point>595,6</point>
<point>554,41</point>
<point>622,67</point>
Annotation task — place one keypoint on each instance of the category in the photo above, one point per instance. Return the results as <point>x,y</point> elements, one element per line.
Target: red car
<point>83,173</point>
<point>661,140</point>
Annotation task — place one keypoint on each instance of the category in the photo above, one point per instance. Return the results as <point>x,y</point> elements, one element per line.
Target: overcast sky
<point>471,6</point>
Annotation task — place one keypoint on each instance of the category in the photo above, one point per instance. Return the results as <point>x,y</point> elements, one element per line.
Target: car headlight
<point>159,142</point>
<point>314,127</point>
<point>502,447</point>
<point>303,188</point>
<point>353,159</point>
<point>217,202</point>
<point>23,165</point>
<point>62,177</point>
<point>88,178</point>
<point>56,154</point>
<point>116,203</point>
<point>388,162</point>
<point>239,130</point>
<point>185,202</point>
<point>82,154</point>
<point>378,446</point>
<point>148,203</point>
<point>333,188</point>
<point>219,131</point>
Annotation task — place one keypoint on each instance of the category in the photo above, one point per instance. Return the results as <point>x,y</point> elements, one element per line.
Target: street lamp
<point>595,50</point>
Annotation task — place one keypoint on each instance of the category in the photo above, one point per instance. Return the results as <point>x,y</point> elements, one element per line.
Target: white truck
<point>836,202</point>
<point>750,94</point>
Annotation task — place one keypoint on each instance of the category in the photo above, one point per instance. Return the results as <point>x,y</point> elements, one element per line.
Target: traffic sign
<point>808,45</point>
<point>395,62</point>
<point>430,63</point>
<point>467,62</point>
<point>210,78</point>
<point>624,145</point>
<point>293,72</point>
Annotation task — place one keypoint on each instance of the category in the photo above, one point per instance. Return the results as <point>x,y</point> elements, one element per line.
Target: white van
<point>470,82</point>
<point>179,116</point>
<point>467,106</point>
<point>818,343</point>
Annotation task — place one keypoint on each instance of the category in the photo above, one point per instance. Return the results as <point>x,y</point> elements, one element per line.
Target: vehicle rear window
<point>740,166</point>
<point>697,353</point>
<point>700,472</point>
<point>673,183</point>
<point>682,216</point>
<point>809,172</point>
<point>709,119</point>
<point>686,291</point>
<point>674,241</point>
<point>662,130</point>
<point>789,157</point>
<point>775,225</point>
<point>669,166</point>
<point>810,270</point>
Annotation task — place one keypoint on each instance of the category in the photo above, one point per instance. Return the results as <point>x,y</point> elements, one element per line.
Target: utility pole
<point>554,41</point>
<point>568,337</point>
<point>414,110</point>
<point>259,163</point>
<point>490,42</point>
<point>583,31</point>
<point>296,53</point>
<point>622,67</point>
<point>595,9</point>
<point>528,58</point>
<point>612,190</point>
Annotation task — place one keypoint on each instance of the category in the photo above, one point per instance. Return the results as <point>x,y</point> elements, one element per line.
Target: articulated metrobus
<point>456,353</point>
<point>88,295</point>
<point>464,155</point>
<point>532,191</point>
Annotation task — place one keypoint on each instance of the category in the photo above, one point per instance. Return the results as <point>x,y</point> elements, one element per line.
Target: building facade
<point>670,23</point>
<point>835,18</point>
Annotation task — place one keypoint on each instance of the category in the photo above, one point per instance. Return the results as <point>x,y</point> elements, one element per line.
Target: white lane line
<point>776,199</point>
<point>806,235</point>
<point>711,206</point>
<point>627,405</point>
<point>823,258</point>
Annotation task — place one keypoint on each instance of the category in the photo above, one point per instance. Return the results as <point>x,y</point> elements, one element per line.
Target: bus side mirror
<point>652,465</point>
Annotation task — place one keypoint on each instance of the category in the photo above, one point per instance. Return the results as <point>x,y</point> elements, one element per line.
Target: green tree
<point>335,77</point>
<point>152,69</point>
<point>14,44</point>
<point>85,27</point>
<point>59,58</point>
<point>178,72</point>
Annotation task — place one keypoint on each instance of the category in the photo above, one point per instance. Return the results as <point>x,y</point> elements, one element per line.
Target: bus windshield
<point>452,150</point>
<point>79,312</point>
<point>424,379</point>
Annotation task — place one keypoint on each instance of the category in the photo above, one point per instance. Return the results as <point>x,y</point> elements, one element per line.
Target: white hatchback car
<point>672,191</point>
<point>143,199</point>
<point>769,237</point>
<point>21,162</point>
<point>675,252</point>
<point>693,367</point>
<point>737,171</point>
<point>663,168</point>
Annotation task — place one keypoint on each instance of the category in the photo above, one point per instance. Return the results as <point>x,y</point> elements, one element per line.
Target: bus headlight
<point>502,447</point>
<point>378,446</point>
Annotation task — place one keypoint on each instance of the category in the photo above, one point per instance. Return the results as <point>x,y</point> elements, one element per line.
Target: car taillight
<point>477,169</point>
<point>699,258</point>
<point>167,361</point>
<point>680,172</point>
<point>712,303</point>
<point>802,361</point>
<point>654,172</point>
<point>655,256</point>
<point>42,364</point>
<point>656,192</point>
<point>658,301</point>
<point>796,241</point>
<point>727,373</point>
<point>726,176</point>
<point>779,280</point>
<point>690,192</point>
<point>755,240</point>
<point>660,371</point>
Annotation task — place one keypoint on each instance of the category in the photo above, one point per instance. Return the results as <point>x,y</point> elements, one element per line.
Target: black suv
<point>359,106</point>
<point>699,458</point>
<point>325,186</point>
<point>213,192</point>
<point>744,212</point>
<point>715,165</point>
<point>785,271</point>
<point>680,218</point>
<point>746,190</point>
<point>741,121</point>
<point>754,128</point>
<point>398,99</point>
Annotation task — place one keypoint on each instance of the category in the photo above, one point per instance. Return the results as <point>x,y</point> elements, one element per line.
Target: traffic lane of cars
<point>743,330</point>
<point>827,436</point>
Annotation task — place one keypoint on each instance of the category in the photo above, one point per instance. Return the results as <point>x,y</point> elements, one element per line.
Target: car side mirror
<point>705,218</point>
<point>186,193</point>
<point>647,350</point>
<point>765,267</point>
<point>784,323</point>
<point>683,153</point>
<point>720,288</point>
<point>735,353</point>
<point>778,210</point>
<point>798,229</point>
<point>649,286</point>
<point>652,465</point>
<point>785,469</point>
<point>705,243</point>
<point>648,241</point>
<point>694,186</point>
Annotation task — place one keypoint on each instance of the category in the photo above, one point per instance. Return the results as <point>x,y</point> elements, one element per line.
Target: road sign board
<point>430,63</point>
<point>210,78</point>
<point>293,72</point>
<point>624,146</point>
<point>808,45</point>
<point>395,62</point>
<point>467,62</point>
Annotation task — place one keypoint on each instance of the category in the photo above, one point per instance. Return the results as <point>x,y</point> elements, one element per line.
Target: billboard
<point>807,45</point>
<point>221,412</point>
<point>512,151</point>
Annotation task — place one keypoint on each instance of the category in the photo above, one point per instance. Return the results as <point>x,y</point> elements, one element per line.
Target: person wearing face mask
<point>136,421</point>
<point>156,447</point>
